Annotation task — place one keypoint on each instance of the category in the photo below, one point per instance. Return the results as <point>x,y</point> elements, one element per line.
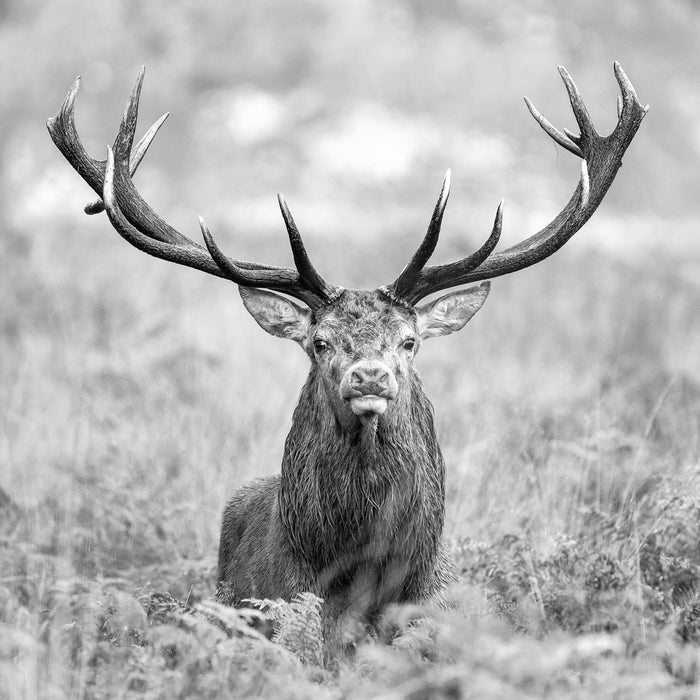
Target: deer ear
<point>451,312</point>
<point>276,314</point>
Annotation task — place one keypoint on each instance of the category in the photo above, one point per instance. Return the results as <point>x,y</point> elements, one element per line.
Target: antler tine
<point>127,128</point>
<point>64,134</point>
<point>437,277</point>
<point>583,119</point>
<point>629,94</point>
<point>563,140</point>
<point>307,271</point>
<point>409,275</point>
<point>282,280</point>
<point>601,159</point>
<point>137,155</point>
<point>133,206</point>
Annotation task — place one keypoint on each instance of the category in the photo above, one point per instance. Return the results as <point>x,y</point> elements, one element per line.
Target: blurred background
<point>354,110</point>
<point>136,395</point>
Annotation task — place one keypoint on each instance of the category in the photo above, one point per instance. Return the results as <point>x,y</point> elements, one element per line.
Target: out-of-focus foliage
<point>614,611</point>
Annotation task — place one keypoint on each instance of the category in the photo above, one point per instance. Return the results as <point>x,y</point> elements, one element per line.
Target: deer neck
<point>350,488</point>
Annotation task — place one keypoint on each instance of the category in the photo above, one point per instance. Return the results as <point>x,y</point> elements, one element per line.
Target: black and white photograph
<point>349,350</point>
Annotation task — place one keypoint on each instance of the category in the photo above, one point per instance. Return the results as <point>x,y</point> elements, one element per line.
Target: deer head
<point>361,343</point>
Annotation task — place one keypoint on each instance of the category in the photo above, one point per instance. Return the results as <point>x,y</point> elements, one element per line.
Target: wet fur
<point>356,515</point>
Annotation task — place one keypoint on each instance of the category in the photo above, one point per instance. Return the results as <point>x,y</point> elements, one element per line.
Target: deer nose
<point>369,378</point>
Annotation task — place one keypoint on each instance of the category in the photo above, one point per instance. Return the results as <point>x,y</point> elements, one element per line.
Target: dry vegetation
<point>135,397</point>
<point>130,412</point>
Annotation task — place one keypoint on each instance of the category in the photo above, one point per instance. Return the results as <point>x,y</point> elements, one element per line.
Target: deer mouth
<point>367,387</point>
<point>368,405</point>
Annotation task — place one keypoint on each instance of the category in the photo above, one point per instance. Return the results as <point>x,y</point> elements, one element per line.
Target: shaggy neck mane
<point>363,495</point>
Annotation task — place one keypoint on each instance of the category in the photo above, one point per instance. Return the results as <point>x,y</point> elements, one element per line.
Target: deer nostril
<point>367,378</point>
<point>369,374</point>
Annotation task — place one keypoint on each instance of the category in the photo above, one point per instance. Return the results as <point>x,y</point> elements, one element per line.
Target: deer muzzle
<point>368,386</point>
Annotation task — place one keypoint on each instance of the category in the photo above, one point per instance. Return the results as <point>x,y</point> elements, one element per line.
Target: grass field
<point>569,417</point>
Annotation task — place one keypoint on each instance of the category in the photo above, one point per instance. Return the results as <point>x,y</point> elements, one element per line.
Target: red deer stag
<point>356,514</point>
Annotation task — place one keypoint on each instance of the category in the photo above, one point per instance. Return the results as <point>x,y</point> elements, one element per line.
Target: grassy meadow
<point>136,396</point>
<point>568,412</point>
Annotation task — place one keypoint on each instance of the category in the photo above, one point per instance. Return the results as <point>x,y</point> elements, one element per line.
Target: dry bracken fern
<point>298,625</point>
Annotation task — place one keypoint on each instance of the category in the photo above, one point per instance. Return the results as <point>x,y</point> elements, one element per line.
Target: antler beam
<point>141,226</point>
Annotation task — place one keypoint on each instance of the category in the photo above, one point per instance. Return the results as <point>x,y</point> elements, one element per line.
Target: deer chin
<point>369,407</point>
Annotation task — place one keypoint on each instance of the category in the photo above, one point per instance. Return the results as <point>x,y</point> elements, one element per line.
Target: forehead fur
<point>361,314</point>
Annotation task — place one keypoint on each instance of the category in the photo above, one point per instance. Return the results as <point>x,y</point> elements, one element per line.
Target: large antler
<point>136,222</point>
<point>602,157</point>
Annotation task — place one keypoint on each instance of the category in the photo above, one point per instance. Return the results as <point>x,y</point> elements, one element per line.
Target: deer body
<point>357,513</point>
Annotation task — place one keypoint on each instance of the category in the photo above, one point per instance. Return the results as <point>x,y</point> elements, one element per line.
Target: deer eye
<point>409,344</point>
<point>320,345</point>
